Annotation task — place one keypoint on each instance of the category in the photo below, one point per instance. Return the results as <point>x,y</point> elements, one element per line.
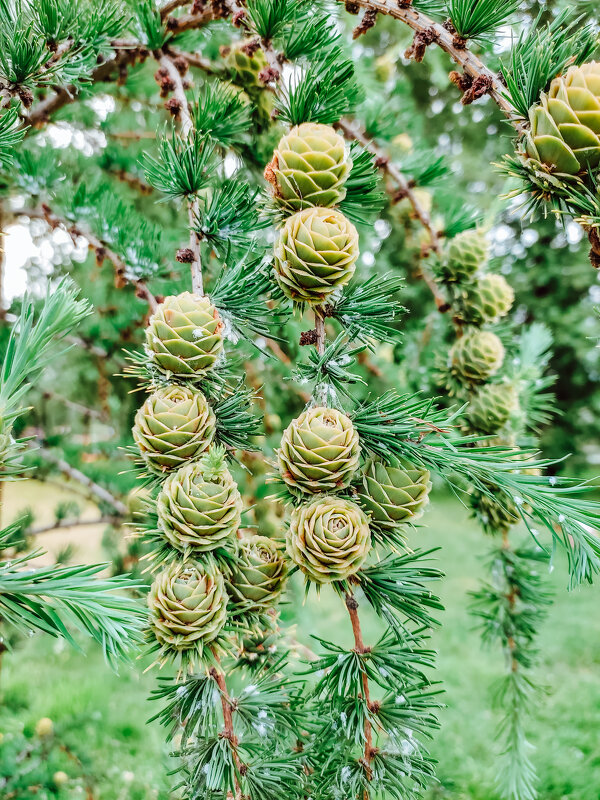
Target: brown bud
<point>308,337</point>
<point>185,255</point>
<point>181,65</point>
<point>173,106</point>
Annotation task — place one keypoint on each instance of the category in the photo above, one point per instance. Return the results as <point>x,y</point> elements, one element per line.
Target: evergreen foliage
<point>390,224</point>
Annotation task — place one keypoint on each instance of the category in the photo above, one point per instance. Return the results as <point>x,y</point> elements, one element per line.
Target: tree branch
<point>71,523</point>
<point>427,31</point>
<point>352,132</point>
<point>359,647</point>
<point>96,491</point>
<point>187,127</point>
<point>227,707</point>
<point>102,251</point>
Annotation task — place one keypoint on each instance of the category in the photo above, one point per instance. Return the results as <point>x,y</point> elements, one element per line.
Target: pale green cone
<point>310,165</point>
<point>393,495</point>
<point>476,356</point>
<point>175,425</point>
<point>184,335</point>
<point>319,451</point>
<point>328,538</point>
<point>493,516</point>
<point>486,300</point>
<point>315,254</point>
<point>490,408</point>
<point>188,606</point>
<point>257,576</point>
<point>465,254</point>
<point>200,507</point>
<point>245,69</point>
<point>564,133</point>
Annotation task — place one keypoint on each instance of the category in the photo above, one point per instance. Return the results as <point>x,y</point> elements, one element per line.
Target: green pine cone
<point>200,507</point>
<point>174,426</point>
<point>490,408</point>
<point>493,516</point>
<point>188,607</point>
<point>564,134</point>
<point>487,300</point>
<point>258,575</point>
<point>393,495</point>
<point>476,356</point>
<point>259,648</point>
<point>310,166</point>
<point>328,538</point>
<point>245,62</point>
<point>183,337</point>
<point>319,451</point>
<point>316,252</point>
<point>465,254</point>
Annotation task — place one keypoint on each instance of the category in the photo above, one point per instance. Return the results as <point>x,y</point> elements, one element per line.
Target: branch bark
<point>102,250</point>
<point>96,491</point>
<point>434,33</point>
<point>359,647</point>
<point>227,708</point>
<point>352,132</point>
<point>187,127</point>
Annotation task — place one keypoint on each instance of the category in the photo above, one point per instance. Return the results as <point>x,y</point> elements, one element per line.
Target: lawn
<point>109,753</point>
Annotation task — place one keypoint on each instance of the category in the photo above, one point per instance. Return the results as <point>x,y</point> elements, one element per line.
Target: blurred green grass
<point>101,717</point>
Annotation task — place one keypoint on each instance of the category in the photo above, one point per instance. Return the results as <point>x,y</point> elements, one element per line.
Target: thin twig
<point>187,127</point>
<point>403,188</point>
<point>102,250</point>
<point>98,492</point>
<point>194,60</point>
<point>433,32</point>
<point>71,523</point>
<point>48,394</point>
<point>360,649</point>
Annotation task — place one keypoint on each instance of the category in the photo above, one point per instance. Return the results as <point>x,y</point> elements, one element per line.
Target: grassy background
<point>110,753</point>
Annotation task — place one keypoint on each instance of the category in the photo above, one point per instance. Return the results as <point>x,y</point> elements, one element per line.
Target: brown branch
<point>429,32</point>
<point>95,491</point>
<point>171,6</point>
<point>360,649</point>
<point>193,59</point>
<point>403,188</point>
<point>187,126</point>
<point>320,331</point>
<point>75,523</point>
<point>227,706</point>
<point>47,394</point>
<point>102,250</point>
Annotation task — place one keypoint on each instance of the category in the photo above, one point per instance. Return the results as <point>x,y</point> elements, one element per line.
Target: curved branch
<point>102,251</point>
<point>187,126</point>
<point>383,161</point>
<point>430,32</point>
<point>96,491</point>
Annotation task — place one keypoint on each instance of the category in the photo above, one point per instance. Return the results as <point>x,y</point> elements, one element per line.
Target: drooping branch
<point>482,80</point>
<point>402,188</point>
<point>187,126</point>
<point>95,491</point>
<point>361,649</point>
<point>101,249</point>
